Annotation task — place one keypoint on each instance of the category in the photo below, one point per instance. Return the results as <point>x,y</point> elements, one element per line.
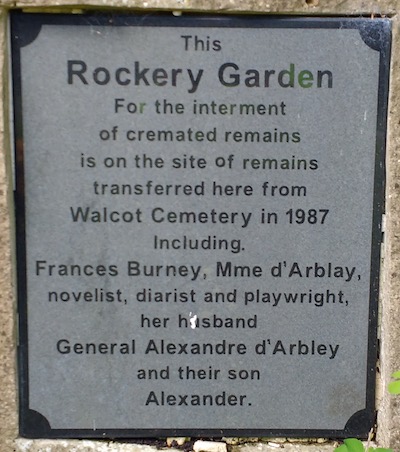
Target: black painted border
<point>375,32</point>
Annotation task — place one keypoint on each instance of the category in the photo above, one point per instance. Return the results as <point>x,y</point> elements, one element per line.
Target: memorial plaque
<point>199,209</point>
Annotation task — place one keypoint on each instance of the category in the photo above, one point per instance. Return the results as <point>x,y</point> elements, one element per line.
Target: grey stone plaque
<point>199,208</point>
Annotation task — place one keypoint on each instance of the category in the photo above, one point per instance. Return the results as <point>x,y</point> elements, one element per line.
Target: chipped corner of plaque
<point>376,33</point>
<point>25,28</point>
<point>34,425</point>
<point>360,424</point>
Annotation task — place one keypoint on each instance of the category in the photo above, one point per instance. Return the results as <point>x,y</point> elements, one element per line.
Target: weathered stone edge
<point>301,7</point>
<point>8,361</point>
